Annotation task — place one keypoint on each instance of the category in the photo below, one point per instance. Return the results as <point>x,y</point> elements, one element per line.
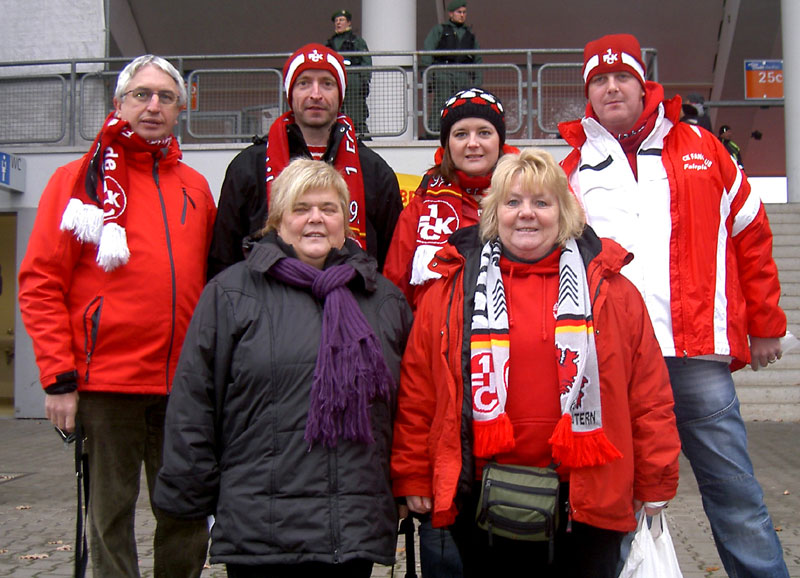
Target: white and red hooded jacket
<point>701,241</point>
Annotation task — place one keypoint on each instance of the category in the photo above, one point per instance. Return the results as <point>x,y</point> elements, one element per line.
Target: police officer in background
<point>345,40</point>
<point>452,35</point>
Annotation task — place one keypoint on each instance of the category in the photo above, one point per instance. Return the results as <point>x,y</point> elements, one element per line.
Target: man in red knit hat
<point>315,84</point>
<point>671,194</point>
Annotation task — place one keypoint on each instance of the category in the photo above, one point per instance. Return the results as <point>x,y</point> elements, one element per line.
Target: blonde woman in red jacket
<point>532,349</point>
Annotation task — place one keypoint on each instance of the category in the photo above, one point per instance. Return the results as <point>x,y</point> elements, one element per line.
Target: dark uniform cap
<point>344,13</point>
<point>455,5</point>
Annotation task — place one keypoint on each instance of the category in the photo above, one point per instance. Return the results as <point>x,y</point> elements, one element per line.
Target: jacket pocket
<point>187,200</point>
<point>91,326</point>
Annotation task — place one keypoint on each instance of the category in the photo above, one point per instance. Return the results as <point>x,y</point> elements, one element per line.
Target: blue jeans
<point>714,439</point>
<point>438,554</point>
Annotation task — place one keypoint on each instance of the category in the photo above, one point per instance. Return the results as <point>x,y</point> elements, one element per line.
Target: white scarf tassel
<point>85,221</point>
<point>420,273</point>
<point>112,251</point>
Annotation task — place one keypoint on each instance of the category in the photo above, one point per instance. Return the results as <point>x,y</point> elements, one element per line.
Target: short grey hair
<point>150,60</point>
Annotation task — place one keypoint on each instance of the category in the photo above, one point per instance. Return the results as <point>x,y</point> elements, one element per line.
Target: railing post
<point>71,103</point>
<point>529,92</point>
<point>415,97</point>
<point>179,136</point>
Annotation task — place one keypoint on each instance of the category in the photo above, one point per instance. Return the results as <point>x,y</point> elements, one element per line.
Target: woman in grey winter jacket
<point>280,420</point>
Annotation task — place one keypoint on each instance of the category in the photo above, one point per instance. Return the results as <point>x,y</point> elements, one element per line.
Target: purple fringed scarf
<point>350,370</point>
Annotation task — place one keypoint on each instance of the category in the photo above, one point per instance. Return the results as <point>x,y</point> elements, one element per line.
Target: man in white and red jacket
<point>113,270</point>
<point>671,194</point>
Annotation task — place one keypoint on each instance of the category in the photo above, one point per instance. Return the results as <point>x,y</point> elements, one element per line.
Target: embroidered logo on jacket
<point>696,162</point>
<point>440,222</point>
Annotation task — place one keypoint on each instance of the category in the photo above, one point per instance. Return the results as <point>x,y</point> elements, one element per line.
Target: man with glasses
<point>113,269</point>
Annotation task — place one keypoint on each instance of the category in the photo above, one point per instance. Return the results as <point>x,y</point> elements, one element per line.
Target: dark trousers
<point>350,569</point>
<point>438,554</point>
<point>122,433</point>
<point>580,550</point>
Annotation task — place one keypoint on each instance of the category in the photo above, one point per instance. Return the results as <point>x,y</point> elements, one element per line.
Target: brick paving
<point>37,506</point>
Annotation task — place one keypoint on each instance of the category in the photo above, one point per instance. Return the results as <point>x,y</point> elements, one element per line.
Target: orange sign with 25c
<point>763,79</point>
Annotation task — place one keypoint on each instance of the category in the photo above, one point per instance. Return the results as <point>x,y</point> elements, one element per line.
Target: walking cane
<point>407,529</point>
<point>82,483</point>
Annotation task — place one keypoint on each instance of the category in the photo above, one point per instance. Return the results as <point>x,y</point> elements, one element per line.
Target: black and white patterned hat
<point>473,103</point>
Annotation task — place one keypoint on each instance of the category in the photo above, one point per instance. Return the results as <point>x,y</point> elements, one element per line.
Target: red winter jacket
<point>432,432</point>
<point>123,330</point>
<point>723,281</point>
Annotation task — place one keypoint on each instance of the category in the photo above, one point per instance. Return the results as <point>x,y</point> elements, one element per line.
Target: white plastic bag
<point>652,554</point>
<point>667,560</point>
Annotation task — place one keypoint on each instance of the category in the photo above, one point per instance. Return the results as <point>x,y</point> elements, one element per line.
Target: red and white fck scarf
<point>347,162</point>
<point>578,439</point>
<point>101,219</point>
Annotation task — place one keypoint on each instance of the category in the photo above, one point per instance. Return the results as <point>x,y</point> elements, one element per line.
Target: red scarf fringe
<point>583,449</point>
<point>492,437</point>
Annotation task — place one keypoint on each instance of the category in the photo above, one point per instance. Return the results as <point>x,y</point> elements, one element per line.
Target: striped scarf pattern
<point>578,439</point>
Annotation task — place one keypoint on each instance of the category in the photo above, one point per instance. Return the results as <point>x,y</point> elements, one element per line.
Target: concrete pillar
<point>390,25</point>
<point>790,21</point>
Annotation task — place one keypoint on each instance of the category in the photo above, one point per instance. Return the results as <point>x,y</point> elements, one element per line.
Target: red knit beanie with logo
<point>314,57</point>
<point>613,53</point>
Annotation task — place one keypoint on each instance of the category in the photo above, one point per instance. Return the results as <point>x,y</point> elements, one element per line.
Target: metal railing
<point>234,97</point>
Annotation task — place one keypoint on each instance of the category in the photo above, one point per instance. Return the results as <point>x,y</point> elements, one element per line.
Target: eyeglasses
<point>145,95</point>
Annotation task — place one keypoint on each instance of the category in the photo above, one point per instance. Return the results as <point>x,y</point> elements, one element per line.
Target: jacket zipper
<point>335,520</point>
<point>186,200</point>
<point>172,272</point>
<point>90,333</point>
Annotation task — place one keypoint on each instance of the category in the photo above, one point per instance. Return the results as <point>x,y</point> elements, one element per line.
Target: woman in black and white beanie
<point>473,136</point>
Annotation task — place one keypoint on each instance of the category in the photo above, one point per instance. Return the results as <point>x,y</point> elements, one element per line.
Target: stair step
<point>780,218</point>
<point>785,251</point>
<point>787,264</point>
<point>773,393</point>
<point>770,411</point>
<point>782,209</point>
<point>788,379</point>
<point>787,238</point>
<point>788,275</point>
<point>784,227</point>
<point>790,303</point>
<point>790,288</point>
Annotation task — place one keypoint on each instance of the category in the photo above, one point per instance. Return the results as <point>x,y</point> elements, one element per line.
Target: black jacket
<point>243,207</point>
<point>236,419</point>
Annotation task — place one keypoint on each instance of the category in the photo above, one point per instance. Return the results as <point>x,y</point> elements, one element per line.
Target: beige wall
<point>8,232</point>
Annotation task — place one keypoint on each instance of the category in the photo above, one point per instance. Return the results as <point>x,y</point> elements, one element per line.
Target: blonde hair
<point>537,170</point>
<point>300,176</point>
